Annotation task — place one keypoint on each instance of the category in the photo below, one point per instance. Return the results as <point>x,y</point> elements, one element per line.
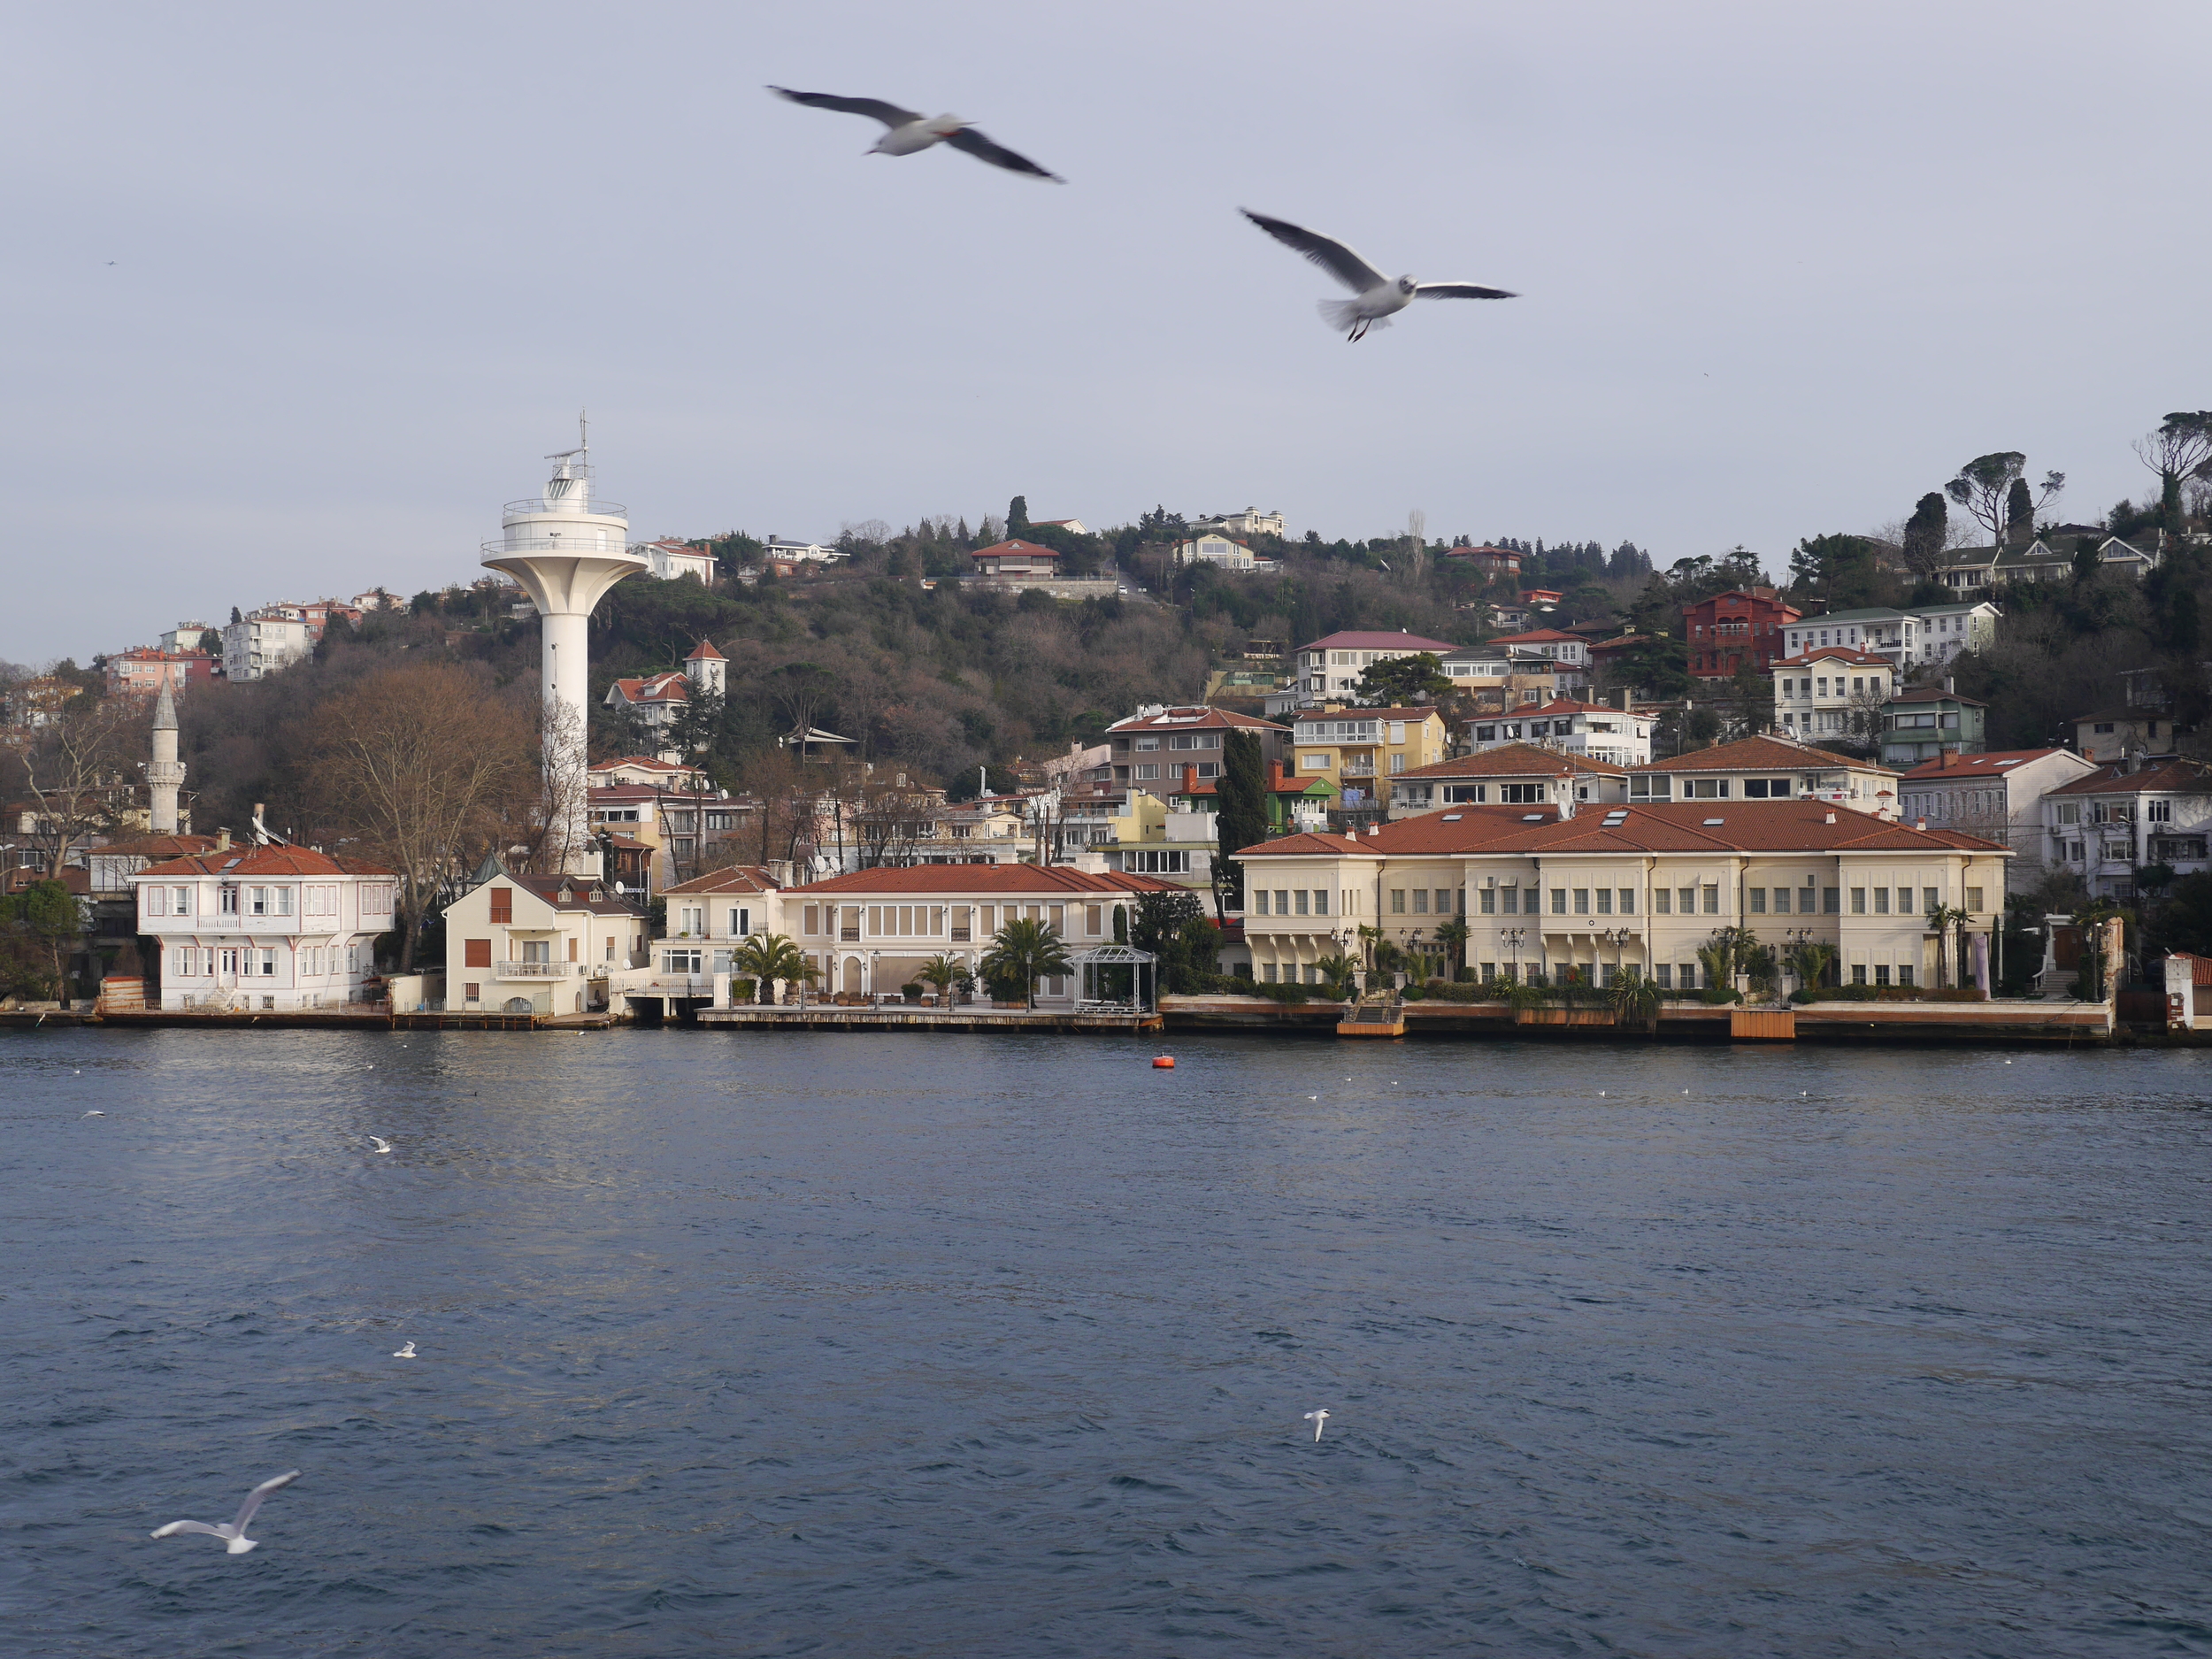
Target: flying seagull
<point>906,131</point>
<point>1377,297</point>
<point>1320,1419</point>
<point>382,1145</point>
<point>232,1533</point>
<point>406,1351</point>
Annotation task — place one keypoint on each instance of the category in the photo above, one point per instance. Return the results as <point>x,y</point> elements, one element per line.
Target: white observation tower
<point>566,551</point>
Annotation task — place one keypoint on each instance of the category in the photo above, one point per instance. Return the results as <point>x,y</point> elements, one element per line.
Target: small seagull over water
<point>1378,297</point>
<point>1320,1419</point>
<point>104,1114</point>
<point>232,1533</point>
<point>406,1350</point>
<point>382,1145</point>
<point>906,131</point>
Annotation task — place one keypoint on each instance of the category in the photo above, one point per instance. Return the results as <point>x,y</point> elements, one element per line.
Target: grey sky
<point>1784,268</point>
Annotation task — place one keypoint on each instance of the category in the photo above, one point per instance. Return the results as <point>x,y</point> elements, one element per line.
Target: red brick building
<point>1743,626</point>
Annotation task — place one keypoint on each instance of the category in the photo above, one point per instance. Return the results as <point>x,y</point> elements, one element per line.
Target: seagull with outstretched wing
<point>1376,297</point>
<point>907,131</point>
<point>232,1533</point>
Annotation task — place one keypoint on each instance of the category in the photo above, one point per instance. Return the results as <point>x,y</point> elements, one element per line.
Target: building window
<point>1663,975</point>
<point>1712,899</point>
<point>1756,900</point>
<point>1147,772</point>
<point>1904,973</point>
<point>1858,971</point>
<point>1881,901</point>
<point>1510,900</point>
<point>1300,894</point>
<point>1559,901</point>
<point>1858,899</point>
<point>1689,900</point>
<point>1320,902</point>
<point>1881,974</point>
<point>1420,901</point>
<point>1663,901</point>
<point>1831,901</point>
<point>1397,901</point>
<point>1488,902</point>
<point>1973,900</point>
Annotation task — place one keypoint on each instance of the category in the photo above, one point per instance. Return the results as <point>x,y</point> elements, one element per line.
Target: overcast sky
<point>297,296</point>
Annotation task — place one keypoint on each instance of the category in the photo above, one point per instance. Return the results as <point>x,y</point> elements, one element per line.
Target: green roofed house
<point>1919,725</point>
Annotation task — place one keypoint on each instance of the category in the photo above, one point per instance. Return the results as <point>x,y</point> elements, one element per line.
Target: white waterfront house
<point>2120,818</point>
<point>263,928</point>
<point>1996,796</point>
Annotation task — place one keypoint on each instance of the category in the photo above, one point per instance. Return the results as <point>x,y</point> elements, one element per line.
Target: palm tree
<point>1635,999</point>
<point>1452,936</point>
<point>768,958</point>
<point>1025,951</point>
<point>1941,921</point>
<point>1336,974</point>
<point>939,973</point>
<point>1809,963</point>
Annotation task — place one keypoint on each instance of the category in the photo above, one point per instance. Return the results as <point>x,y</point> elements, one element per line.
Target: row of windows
<point>315,900</point>
<point>1420,895</point>
<point>313,962</point>
<point>1150,771</point>
<point>962,924</point>
<point>1861,685</point>
<point>1661,787</point>
<point>1175,740</point>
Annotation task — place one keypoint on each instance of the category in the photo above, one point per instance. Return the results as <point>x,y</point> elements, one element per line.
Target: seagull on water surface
<point>232,1533</point>
<point>1376,297</point>
<point>382,1145</point>
<point>406,1350</point>
<point>906,131</point>
<point>104,1114</point>
<point>1320,1419</point>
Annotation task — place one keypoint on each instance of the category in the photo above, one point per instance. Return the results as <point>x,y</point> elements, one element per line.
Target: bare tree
<point>1985,488</point>
<point>81,770</point>
<point>429,772</point>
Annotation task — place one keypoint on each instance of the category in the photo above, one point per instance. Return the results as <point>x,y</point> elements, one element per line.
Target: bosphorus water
<point>882,1344</point>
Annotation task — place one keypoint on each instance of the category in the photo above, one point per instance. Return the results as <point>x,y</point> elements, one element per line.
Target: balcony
<point>534,970</point>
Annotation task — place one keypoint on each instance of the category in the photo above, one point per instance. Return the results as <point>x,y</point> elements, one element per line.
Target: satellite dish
<point>620,889</point>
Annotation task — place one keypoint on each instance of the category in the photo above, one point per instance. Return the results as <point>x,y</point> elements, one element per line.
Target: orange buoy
<point>1165,1061</point>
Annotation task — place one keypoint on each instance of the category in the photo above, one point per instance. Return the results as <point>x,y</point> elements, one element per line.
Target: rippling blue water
<point>950,1346</point>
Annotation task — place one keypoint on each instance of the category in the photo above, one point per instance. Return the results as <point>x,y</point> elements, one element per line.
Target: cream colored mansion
<point>1635,885</point>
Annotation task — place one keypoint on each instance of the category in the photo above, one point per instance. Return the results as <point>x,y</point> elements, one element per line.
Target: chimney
<point>1831,818</point>
<point>1375,827</point>
<point>1190,778</point>
<point>1920,823</point>
<point>222,840</point>
<point>1948,756</point>
<point>1274,775</point>
<point>1950,686</point>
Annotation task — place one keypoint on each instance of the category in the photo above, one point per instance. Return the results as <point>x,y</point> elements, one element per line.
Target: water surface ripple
<point>890,1345</point>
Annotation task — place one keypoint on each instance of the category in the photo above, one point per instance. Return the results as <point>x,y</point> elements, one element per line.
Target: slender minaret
<point>566,553</point>
<point>165,773</point>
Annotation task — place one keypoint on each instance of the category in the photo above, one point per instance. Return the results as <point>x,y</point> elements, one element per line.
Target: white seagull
<point>232,1533</point>
<point>382,1145</point>
<point>1378,297</point>
<point>104,1114</point>
<point>906,131</point>
<point>1320,1419</point>
<point>406,1351</point>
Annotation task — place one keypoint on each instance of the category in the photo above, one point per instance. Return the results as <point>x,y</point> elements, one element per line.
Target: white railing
<point>533,970</point>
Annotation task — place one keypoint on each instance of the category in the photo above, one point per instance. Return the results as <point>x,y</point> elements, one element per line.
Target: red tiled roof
<point>2173,777</point>
<point>243,861</point>
<point>1998,761</point>
<point>667,687</point>
<point>155,848</point>
<point>1038,879</point>
<point>1368,642</point>
<point>736,879</point>
<point>1534,636</point>
<point>579,888</point>
<point>704,651</point>
<point>1514,760</point>
<point>1015,548</point>
<point>1757,754</point>
<point>1779,827</point>
<point>1849,653</point>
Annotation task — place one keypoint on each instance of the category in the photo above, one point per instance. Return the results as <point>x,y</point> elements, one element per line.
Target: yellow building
<point>1638,885</point>
<point>1362,749</point>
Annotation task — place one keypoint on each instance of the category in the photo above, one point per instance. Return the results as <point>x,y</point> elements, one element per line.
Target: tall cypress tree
<point>2019,513</point>
<point>1018,517</point>
<point>1241,820</point>
<point>1925,533</point>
